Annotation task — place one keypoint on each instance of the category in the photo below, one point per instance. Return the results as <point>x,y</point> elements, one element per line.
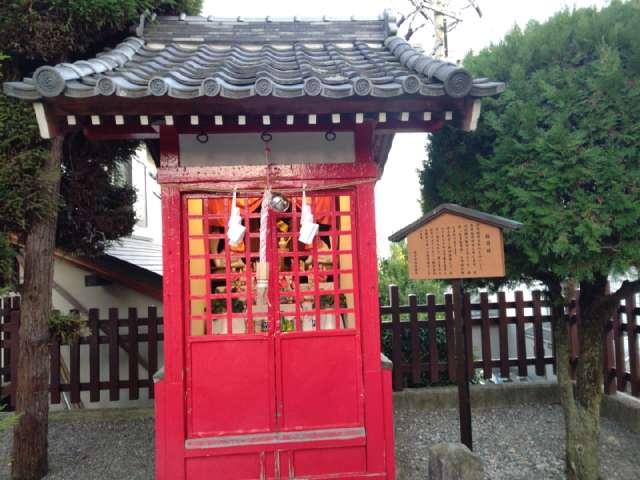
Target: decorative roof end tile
<point>210,87</point>
<point>49,81</point>
<point>157,86</point>
<point>458,83</point>
<point>105,86</point>
<point>313,86</point>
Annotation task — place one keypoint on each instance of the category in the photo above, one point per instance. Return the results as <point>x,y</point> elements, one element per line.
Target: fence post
<point>14,317</point>
<point>609,377</point>
<point>10,304</point>
<point>503,334</point>
<point>520,339</point>
<point>451,341</point>
<point>632,339</point>
<point>114,356</point>
<point>416,364</point>
<point>538,336</point>
<point>94,355</point>
<point>74,370</point>
<point>54,366</point>
<point>134,389</point>
<point>6,335</point>
<point>485,331</point>
<point>396,340</point>
<point>152,348</point>
<point>434,373</point>
<point>619,351</point>
<point>574,339</point>
<point>468,325</point>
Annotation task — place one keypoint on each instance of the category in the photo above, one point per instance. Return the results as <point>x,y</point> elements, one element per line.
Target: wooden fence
<point>511,338</point>
<point>9,318</point>
<point>418,339</point>
<point>92,363</point>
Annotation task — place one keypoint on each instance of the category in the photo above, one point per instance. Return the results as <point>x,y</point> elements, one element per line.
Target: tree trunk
<point>32,396</point>
<point>440,29</point>
<point>581,404</point>
<point>563,365</point>
<point>584,428</point>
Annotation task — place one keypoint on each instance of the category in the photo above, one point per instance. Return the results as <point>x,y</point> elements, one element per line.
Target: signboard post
<point>452,242</point>
<point>462,373</point>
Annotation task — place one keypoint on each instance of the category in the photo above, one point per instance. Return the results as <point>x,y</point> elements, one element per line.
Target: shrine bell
<point>270,135</point>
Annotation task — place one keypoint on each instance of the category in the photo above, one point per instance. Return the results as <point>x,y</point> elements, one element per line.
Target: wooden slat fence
<point>511,338</point>
<point>111,340</point>
<point>9,318</point>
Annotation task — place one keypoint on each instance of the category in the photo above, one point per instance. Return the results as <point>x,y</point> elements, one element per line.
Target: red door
<point>287,362</point>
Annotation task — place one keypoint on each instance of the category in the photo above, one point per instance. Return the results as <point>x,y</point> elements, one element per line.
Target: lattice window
<point>316,282</point>
<point>312,287</point>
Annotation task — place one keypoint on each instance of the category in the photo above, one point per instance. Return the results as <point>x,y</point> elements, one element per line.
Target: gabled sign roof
<point>452,208</point>
<point>190,57</point>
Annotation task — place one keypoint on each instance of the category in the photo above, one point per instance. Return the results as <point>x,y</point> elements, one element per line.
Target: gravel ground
<point>519,443</point>
<point>515,444</point>
<point>96,445</point>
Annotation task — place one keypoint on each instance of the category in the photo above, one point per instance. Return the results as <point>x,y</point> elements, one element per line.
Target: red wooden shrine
<point>290,386</point>
<point>272,346</point>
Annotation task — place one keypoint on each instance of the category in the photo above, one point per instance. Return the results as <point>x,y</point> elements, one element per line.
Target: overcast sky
<point>397,194</point>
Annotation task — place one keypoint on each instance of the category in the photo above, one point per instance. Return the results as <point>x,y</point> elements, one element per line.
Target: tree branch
<point>422,6</point>
<point>473,4</point>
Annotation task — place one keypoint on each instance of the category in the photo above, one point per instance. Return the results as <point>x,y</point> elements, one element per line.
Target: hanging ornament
<point>235,229</point>
<point>308,227</point>
<point>264,223</point>
<point>279,203</point>
<point>262,270</point>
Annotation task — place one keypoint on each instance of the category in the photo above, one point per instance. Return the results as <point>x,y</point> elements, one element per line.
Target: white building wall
<point>71,279</point>
<point>148,208</point>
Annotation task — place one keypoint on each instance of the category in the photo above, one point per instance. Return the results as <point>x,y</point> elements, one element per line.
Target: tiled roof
<point>190,57</point>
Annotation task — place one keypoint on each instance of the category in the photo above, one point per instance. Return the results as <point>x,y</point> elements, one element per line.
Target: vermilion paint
<point>273,405</point>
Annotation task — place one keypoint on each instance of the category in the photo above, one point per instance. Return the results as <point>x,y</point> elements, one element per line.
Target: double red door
<point>277,367</point>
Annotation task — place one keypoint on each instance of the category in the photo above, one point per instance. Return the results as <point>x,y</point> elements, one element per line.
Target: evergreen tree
<point>394,270</point>
<point>57,193</point>
<point>558,151</point>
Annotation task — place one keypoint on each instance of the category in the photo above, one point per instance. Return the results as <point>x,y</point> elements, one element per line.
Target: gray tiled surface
<point>189,57</point>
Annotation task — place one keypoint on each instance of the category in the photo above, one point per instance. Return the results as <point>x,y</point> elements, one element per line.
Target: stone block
<point>454,461</point>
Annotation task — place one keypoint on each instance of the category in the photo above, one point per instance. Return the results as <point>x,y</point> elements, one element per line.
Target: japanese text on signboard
<point>451,246</point>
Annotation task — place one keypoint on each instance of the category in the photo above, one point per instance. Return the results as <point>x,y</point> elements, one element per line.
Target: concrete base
<point>482,396</point>
<point>620,407</point>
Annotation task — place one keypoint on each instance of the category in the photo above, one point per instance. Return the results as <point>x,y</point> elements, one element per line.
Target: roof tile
<point>188,57</point>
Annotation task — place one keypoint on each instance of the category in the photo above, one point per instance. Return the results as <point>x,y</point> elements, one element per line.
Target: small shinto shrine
<point>270,135</point>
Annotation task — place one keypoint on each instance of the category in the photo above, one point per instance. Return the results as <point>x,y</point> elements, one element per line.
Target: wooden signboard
<point>453,246</point>
<point>454,242</point>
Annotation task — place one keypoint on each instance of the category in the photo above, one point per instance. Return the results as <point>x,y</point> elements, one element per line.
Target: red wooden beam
<point>253,177</point>
<point>128,132</point>
<point>62,106</point>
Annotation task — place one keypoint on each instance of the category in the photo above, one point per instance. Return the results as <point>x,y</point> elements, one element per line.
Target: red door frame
<point>210,339</point>
<point>170,399</point>
<point>281,337</point>
<point>274,336</point>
